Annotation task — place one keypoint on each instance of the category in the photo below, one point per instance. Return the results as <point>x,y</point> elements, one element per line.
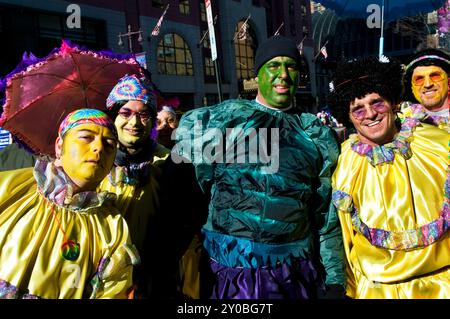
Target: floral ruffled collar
<point>56,186</point>
<point>385,153</point>
<point>419,110</point>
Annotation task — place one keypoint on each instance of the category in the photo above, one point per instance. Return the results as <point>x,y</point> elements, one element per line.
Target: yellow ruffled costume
<point>138,202</point>
<point>410,109</point>
<point>34,227</point>
<point>394,211</point>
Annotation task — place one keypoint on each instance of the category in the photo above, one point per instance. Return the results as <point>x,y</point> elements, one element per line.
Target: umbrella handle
<point>381,51</point>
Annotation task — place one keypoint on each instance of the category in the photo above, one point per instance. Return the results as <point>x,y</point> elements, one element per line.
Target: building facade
<point>179,56</point>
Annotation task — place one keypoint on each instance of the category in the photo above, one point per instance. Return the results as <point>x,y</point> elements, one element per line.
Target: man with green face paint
<point>271,232</point>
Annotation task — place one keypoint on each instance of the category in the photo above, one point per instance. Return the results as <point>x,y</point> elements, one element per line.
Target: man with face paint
<point>391,188</point>
<point>166,122</point>
<point>59,238</point>
<point>427,83</point>
<point>134,177</point>
<point>271,232</point>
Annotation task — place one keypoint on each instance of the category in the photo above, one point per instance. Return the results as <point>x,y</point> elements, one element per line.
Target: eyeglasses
<point>360,112</point>
<point>434,76</point>
<point>170,121</point>
<point>128,114</point>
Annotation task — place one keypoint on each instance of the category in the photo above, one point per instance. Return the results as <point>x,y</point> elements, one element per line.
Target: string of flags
<point>279,28</point>
<point>242,33</point>
<point>205,33</point>
<point>300,45</point>
<point>157,27</point>
<point>324,52</point>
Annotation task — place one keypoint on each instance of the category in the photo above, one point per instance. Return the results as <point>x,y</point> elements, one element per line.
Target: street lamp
<point>129,34</point>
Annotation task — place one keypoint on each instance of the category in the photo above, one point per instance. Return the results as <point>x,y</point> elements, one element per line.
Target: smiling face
<point>430,87</point>
<point>166,122</point>
<point>86,153</point>
<point>277,82</point>
<point>373,119</point>
<point>133,124</point>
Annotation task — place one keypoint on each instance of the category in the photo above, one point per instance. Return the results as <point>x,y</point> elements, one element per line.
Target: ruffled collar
<point>279,113</point>
<point>133,169</point>
<point>419,111</point>
<point>57,187</point>
<point>385,153</point>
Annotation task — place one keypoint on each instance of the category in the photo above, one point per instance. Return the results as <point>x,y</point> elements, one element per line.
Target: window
<point>184,6</point>
<point>205,42</point>
<point>305,30</point>
<point>157,4</point>
<point>211,99</point>
<point>174,56</point>
<point>202,11</point>
<point>40,31</point>
<point>51,28</point>
<point>293,30</point>
<point>304,10</point>
<point>244,52</point>
<point>291,7</point>
<point>209,67</point>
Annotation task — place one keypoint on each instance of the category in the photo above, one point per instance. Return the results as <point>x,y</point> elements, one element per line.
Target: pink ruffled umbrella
<point>39,97</point>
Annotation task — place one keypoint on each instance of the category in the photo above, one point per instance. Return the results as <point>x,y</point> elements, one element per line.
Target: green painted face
<point>278,81</point>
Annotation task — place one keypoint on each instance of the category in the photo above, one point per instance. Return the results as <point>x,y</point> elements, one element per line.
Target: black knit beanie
<point>273,47</point>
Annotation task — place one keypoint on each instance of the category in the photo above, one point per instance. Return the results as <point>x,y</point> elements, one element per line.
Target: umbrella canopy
<point>39,97</point>
<point>391,10</point>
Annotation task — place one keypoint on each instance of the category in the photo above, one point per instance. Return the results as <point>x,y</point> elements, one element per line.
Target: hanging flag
<point>241,35</point>
<point>300,45</point>
<point>300,48</point>
<point>324,52</point>
<point>205,33</point>
<point>278,30</point>
<point>157,27</point>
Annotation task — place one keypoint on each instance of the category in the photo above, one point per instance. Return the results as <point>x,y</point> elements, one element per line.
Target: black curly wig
<point>359,77</point>
<point>425,57</point>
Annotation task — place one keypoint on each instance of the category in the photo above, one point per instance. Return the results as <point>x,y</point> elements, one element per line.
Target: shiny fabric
<point>295,281</point>
<point>70,78</point>
<point>251,254</point>
<point>397,197</point>
<point>416,110</point>
<point>135,182</point>
<point>268,209</point>
<point>32,230</point>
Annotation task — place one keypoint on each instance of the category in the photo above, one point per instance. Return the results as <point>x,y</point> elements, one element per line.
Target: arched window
<point>244,48</point>
<point>174,56</point>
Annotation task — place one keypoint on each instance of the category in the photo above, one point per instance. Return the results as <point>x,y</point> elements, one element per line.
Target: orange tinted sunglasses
<point>435,76</point>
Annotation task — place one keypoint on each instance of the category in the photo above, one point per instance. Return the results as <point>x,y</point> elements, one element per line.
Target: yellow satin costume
<point>410,109</point>
<point>394,211</point>
<point>33,229</point>
<point>137,202</point>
